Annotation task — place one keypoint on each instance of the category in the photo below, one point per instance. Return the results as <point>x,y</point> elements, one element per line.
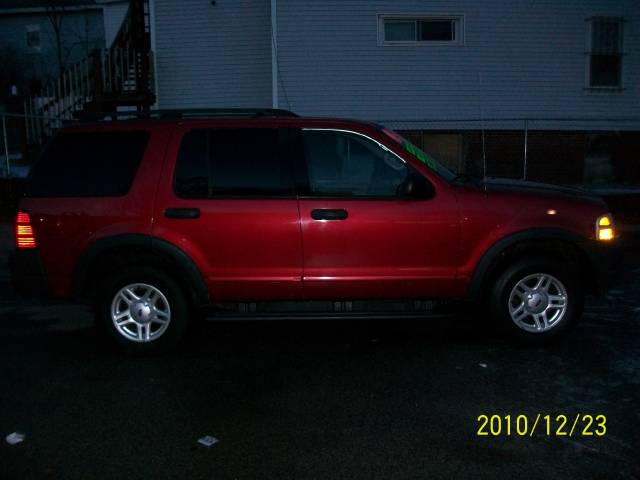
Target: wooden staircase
<point>117,78</point>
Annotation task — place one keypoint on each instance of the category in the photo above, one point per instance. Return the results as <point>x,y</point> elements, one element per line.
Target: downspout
<point>152,34</point>
<point>274,54</point>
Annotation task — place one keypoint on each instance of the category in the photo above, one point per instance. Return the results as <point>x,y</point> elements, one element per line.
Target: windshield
<point>422,156</point>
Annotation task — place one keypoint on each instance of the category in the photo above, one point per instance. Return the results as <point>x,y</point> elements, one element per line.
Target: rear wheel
<point>143,309</point>
<point>537,299</point>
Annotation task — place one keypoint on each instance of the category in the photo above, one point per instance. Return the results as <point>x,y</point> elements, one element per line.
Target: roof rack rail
<point>188,113</point>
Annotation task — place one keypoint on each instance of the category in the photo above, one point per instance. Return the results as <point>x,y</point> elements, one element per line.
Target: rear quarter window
<point>96,164</point>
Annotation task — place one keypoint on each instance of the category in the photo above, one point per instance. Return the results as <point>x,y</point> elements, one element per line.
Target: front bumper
<point>27,273</point>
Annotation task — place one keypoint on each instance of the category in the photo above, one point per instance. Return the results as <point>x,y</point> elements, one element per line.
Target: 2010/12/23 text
<point>580,424</point>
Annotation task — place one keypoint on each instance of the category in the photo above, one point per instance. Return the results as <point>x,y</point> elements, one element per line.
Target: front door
<point>361,238</point>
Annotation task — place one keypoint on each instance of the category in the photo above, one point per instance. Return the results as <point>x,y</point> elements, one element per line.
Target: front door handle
<point>329,214</point>
<point>183,213</point>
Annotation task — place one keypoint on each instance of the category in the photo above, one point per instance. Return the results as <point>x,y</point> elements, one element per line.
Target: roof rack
<point>188,113</point>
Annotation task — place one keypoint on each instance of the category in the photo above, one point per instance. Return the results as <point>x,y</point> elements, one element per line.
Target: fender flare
<point>491,255</point>
<point>186,266</point>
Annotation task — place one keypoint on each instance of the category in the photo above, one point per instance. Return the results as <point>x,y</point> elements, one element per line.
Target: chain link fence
<point>594,153</point>
<point>17,148</point>
<point>599,153</point>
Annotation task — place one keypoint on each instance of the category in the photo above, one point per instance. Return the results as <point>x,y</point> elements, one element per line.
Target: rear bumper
<point>606,261</point>
<point>27,273</point>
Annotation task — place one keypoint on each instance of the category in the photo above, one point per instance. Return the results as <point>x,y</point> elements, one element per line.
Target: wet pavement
<point>334,399</point>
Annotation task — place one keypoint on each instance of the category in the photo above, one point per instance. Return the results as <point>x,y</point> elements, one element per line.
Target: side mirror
<point>416,186</point>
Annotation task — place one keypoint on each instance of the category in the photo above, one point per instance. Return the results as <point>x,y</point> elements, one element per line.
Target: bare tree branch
<point>55,13</point>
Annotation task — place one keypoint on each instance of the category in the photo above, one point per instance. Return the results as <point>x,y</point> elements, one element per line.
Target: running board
<point>326,310</point>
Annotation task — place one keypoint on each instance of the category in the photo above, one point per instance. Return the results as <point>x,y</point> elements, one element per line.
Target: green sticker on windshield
<point>420,155</point>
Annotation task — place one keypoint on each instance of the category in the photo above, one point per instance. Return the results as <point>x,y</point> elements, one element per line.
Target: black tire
<point>175,299</point>
<point>560,275</point>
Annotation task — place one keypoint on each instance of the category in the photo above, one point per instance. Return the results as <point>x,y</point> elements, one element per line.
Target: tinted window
<point>437,30</point>
<point>605,70</point>
<point>606,52</point>
<point>233,162</point>
<point>88,165</point>
<point>346,164</point>
<point>192,177</point>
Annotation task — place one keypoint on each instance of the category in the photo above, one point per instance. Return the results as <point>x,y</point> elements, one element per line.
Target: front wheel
<point>143,309</point>
<point>537,300</point>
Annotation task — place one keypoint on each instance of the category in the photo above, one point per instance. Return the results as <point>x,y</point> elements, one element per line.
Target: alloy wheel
<point>140,312</point>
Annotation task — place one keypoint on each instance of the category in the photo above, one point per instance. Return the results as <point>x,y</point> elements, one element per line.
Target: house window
<point>404,30</point>
<point>33,37</point>
<point>605,53</point>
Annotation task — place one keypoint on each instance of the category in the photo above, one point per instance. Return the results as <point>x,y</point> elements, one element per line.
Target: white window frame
<point>588,51</point>
<point>457,19</point>
<point>35,27</point>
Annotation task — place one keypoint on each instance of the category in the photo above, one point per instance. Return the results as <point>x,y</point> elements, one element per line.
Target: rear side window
<point>88,165</point>
<point>247,162</point>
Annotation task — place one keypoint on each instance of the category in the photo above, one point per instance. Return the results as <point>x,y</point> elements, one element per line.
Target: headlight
<point>605,230</point>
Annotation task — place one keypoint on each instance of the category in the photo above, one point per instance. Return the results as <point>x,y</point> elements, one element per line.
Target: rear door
<point>228,201</point>
<point>361,239</point>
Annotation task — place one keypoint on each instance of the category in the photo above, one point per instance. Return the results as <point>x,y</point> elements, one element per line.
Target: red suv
<point>265,214</point>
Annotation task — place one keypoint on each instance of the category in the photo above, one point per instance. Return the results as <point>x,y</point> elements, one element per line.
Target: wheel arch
<point>560,243</point>
<point>106,254</point>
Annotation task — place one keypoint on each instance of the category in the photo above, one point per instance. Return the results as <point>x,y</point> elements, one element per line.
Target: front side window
<point>347,164</point>
<point>605,53</point>
<point>419,30</point>
<point>232,162</point>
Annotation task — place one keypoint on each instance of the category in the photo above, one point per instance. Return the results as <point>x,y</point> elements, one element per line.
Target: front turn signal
<point>605,230</point>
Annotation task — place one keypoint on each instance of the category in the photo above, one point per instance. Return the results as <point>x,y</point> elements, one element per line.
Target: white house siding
<point>212,55</point>
<point>520,58</point>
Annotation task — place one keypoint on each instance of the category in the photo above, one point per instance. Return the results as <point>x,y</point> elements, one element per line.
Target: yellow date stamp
<point>561,425</point>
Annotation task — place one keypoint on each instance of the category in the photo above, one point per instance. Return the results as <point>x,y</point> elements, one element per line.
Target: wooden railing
<point>58,100</point>
<point>133,40</point>
<point>110,77</point>
<point>118,76</point>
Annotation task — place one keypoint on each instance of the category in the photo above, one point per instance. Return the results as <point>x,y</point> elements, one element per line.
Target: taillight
<point>24,231</point>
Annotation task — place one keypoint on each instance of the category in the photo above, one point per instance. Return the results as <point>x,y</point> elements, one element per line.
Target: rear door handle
<point>184,213</point>
<point>329,214</point>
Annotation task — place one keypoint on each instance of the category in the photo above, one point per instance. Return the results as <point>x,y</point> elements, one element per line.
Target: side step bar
<point>328,310</point>
<point>298,316</point>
